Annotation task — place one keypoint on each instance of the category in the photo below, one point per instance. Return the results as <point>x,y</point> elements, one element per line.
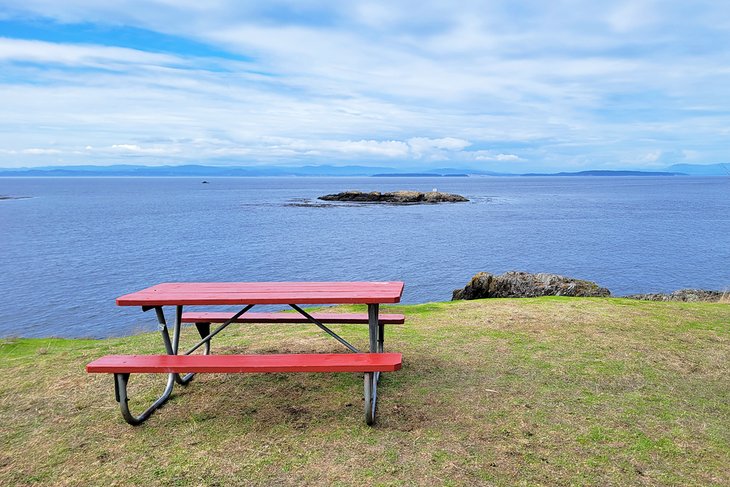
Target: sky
<point>495,85</point>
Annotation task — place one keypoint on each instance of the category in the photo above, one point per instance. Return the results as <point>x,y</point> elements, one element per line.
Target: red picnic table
<point>182,368</point>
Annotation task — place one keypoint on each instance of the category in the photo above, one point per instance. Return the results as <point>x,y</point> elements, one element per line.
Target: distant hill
<point>202,171</point>
<point>608,173</point>
<point>197,171</point>
<point>193,170</point>
<point>446,171</point>
<point>702,169</point>
<point>419,175</point>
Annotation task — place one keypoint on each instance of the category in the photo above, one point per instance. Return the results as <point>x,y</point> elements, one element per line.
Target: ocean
<point>75,244</point>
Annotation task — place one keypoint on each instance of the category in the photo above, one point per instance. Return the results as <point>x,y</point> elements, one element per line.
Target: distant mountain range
<point>329,170</point>
<point>609,173</point>
<point>227,171</point>
<point>702,169</point>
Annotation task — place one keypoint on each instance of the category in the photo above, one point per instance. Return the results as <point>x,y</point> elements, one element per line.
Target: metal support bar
<point>120,390</point>
<point>203,331</point>
<point>324,328</point>
<point>176,330</point>
<point>162,326</point>
<point>218,330</point>
<point>381,340</point>
<point>170,345</point>
<point>183,381</point>
<point>371,397</point>
<point>373,326</point>
<point>375,330</point>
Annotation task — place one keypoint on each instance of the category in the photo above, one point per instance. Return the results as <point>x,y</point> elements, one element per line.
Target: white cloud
<point>387,148</point>
<point>421,145</point>
<point>632,15</point>
<point>483,155</point>
<point>17,50</point>
<point>136,149</point>
<point>39,151</point>
<point>507,157</point>
<point>652,156</point>
<point>413,82</point>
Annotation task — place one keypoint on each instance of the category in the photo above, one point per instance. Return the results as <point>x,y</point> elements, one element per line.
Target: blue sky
<point>497,85</point>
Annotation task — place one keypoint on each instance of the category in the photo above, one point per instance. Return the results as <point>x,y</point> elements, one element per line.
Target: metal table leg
<point>171,347</point>
<point>120,390</point>
<point>371,397</point>
<point>372,378</point>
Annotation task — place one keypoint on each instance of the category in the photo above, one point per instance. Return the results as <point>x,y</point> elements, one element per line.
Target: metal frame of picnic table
<point>376,341</point>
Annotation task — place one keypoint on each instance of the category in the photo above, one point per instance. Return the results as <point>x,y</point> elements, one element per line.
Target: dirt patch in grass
<point>544,391</point>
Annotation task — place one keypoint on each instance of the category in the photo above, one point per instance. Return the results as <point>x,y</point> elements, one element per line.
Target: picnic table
<point>181,368</point>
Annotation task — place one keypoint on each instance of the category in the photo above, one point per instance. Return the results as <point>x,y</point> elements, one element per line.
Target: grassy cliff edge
<point>538,391</point>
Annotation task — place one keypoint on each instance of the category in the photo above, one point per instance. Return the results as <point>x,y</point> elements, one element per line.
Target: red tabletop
<point>213,293</point>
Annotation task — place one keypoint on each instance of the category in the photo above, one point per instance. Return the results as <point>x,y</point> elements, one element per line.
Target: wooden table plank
<point>324,362</point>
<point>228,293</point>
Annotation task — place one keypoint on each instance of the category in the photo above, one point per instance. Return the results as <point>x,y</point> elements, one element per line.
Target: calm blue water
<point>78,243</point>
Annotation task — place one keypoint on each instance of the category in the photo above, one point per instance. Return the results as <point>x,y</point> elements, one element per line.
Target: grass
<point>544,391</point>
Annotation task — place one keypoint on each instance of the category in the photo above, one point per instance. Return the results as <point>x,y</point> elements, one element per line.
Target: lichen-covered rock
<point>526,285</point>
<point>688,295</point>
<point>396,197</point>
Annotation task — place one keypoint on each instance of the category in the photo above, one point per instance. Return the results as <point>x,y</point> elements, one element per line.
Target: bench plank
<point>316,362</point>
<point>250,317</point>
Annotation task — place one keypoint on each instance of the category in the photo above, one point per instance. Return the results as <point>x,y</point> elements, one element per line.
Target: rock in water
<point>396,197</point>
<point>526,285</point>
<point>7,197</point>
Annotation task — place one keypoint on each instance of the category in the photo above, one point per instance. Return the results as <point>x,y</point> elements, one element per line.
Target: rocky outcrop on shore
<point>526,285</point>
<point>687,295</point>
<point>396,197</point>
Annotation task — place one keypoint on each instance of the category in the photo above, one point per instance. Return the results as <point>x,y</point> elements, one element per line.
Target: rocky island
<point>396,197</point>
<point>8,197</point>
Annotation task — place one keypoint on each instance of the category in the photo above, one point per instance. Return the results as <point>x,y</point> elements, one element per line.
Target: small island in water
<point>395,197</point>
<point>9,197</point>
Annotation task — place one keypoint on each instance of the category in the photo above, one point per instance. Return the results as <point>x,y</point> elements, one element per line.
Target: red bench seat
<point>344,318</point>
<point>316,362</point>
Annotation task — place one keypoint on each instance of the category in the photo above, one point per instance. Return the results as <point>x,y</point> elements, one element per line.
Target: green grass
<point>544,391</point>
